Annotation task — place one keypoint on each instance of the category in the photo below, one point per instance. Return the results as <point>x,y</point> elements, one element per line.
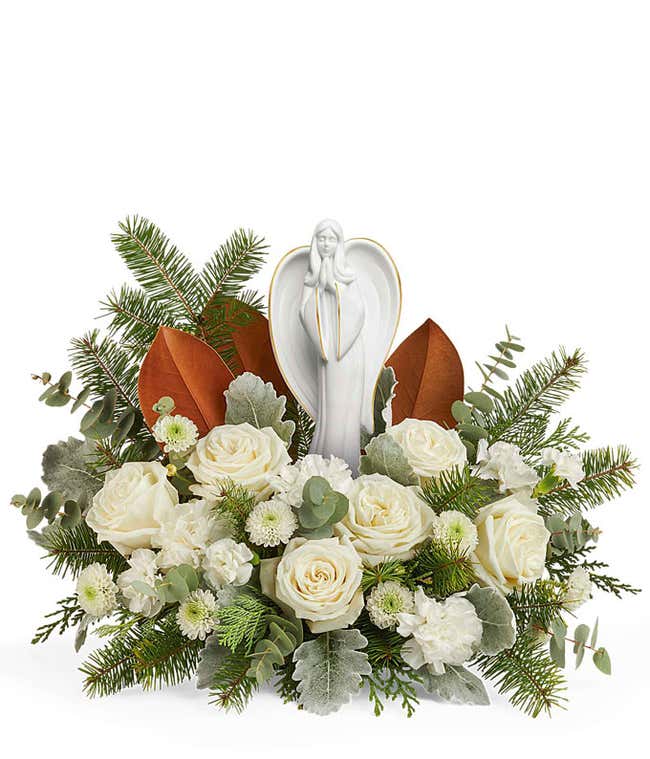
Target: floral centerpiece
<point>203,539</point>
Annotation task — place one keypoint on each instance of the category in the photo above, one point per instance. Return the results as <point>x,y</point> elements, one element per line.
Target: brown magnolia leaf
<point>191,372</point>
<point>429,374</point>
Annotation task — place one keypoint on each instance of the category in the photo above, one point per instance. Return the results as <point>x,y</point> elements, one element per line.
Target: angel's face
<point>327,242</point>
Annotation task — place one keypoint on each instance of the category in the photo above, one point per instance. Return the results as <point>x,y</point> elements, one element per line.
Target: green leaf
<point>557,650</point>
<point>51,505</point>
<point>34,518</point>
<point>602,661</point>
<point>249,399</point>
<point>66,469</point>
<point>498,619</point>
<point>461,412</point>
<point>472,432</point>
<point>124,424</point>
<point>385,456</point>
<point>594,635</point>
<point>164,406</point>
<point>456,686</point>
<point>315,490</point>
<point>482,401</point>
<point>329,670</point>
<point>64,382</point>
<point>581,636</point>
<point>211,659</point>
<point>91,417</point>
<point>81,399</point>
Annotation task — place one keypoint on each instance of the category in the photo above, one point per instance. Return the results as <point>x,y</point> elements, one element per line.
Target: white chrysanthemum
<point>386,601</point>
<point>177,432</point>
<point>227,563</point>
<point>96,591</point>
<point>452,526</point>
<point>445,632</point>
<point>503,462</point>
<point>578,589</point>
<point>186,532</point>
<point>271,523</point>
<point>290,480</point>
<point>196,615</point>
<point>143,568</point>
<point>567,466</point>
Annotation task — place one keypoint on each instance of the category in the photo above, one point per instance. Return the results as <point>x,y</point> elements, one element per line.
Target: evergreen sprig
<point>164,656</point>
<point>243,623</point>
<point>442,568</point>
<point>233,264</point>
<point>234,506</point>
<point>459,490</point>
<point>230,687</point>
<point>526,675</point>
<point>135,318</point>
<point>538,603</point>
<point>68,614</point>
<point>304,432</point>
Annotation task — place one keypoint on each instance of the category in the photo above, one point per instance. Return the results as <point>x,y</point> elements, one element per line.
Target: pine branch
<point>235,505</point>
<point>387,571</point>
<point>285,685</point>
<point>527,675</point>
<point>608,472</point>
<point>111,669</point>
<point>304,432</point>
<point>135,318</point>
<point>442,569</point>
<point>565,435</point>
<point>233,264</point>
<point>164,656</point>
<point>541,602</point>
<point>230,688</point>
<point>459,490</point>
<point>72,550</point>
<point>165,274</point>
<point>68,614</point>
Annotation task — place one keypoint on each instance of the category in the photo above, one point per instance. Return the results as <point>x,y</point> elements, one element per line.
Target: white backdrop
<point>498,150</point>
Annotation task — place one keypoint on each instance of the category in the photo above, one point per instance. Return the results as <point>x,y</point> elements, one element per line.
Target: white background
<point>499,150</point>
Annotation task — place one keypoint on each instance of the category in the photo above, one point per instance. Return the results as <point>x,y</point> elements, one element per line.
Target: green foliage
<point>581,643</point>
<point>497,618</point>
<point>539,603</point>
<point>458,489</point>
<point>322,507</point>
<point>456,685</point>
<point>330,669</point>
<point>569,535</point>
<point>135,319</point>
<point>284,684</point>
<point>176,585</point>
<point>234,506</point>
<point>504,357</point>
<point>608,473</point>
<point>442,568</point>
<point>56,393</point>
<point>394,684</point>
<point>305,427</point>
<point>384,394</point>
<point>65,469</point>
<point>387,571</point>
<point>68,614</point>
<point>385,456</point>
<point>249,399</point>
<point>526,674</point>
<point>243,623</point>
<point>282,637</point>
<point>230,687</point>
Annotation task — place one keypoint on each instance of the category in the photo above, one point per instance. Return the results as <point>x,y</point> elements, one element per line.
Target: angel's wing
<point>379,283</point>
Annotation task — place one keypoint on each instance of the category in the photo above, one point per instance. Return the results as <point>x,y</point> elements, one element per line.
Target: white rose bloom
<point>578,589</point>
<point>503,462</point>
<point>512,540</point>
<point>453,526</point>
<point>128,511</point>
<point>384,519</point>
<point>444,632</point>
<point>96,591</point>
<point>186,533</point>
<point>568,466</point>
<point>239,453</point>
<point>143,568</point>
<point>429,448</point>
<point>227,563</point>
<point>290,480</point>
<point>319,580</point>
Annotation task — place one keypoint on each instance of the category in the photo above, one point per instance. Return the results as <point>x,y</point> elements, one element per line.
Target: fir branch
<point>72,550</point>
<point>233,264</point>
<point>387,571</point>
<point>527,675</point>
<point>164,656</point>
<point>565,435</point>
<point>459,490</point>
<point>541,602</point>
<point>441,568</point>
<point>68,614</point>
<point>135,318</point>
<point>234,505</point>
<point>305,428</point>
<point>165,274</point>
<point>285,685</point>
<point>230,687</point>
<point>608,472</point>
<point>111,669</point>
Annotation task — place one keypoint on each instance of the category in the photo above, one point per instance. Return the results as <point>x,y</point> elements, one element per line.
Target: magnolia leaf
<point>191,372</point>
<point>429,375</point>
<point>456,686</point>
<point>65,469</point>
<point>385,456</point>
<point>249,399</point>
<point>211,658</point>
<point>498,619</point>
<point>329,670</point>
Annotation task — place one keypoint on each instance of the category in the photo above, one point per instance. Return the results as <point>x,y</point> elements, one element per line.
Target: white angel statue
<point>333,310</point>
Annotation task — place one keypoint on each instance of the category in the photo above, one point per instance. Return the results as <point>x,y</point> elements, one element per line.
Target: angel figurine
<point>333,311</point>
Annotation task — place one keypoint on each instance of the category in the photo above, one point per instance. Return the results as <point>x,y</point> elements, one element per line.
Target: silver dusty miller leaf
<point>385,456</point>
<point>498,619</point>
<point>329,670</point>
<point>65,469</point>
<point>249,399</point>
<point>210,659</point>
<point>456,686</point>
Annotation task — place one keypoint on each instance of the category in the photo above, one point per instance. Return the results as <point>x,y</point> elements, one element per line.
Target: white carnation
<point>578,589</point>
<point>96,591</point>
<point>567,466</point>
<point>290,480</point>
<point>177,432</point>
<point>452,526</point>
<point>503,462</point>
<point>429,448</point>
<point>186,533</point>
<point>143,568</point>
<point>271,523</point>
<point>386,601</point>
<point>227,563</point>
<point>443,632</point>
<point>196,616</point>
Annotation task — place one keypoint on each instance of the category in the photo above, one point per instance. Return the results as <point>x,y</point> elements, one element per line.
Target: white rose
<point>143,568</point>
<point>240,453</point>
<point>129,509</point>
<point>319,580</point>
<point>512,540</point>
<point>384,519</point>
<point>186,532</point>
<point>503,462</point>
<point>429,448</point>
<point>227,563</point>
<point>567,466</point>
